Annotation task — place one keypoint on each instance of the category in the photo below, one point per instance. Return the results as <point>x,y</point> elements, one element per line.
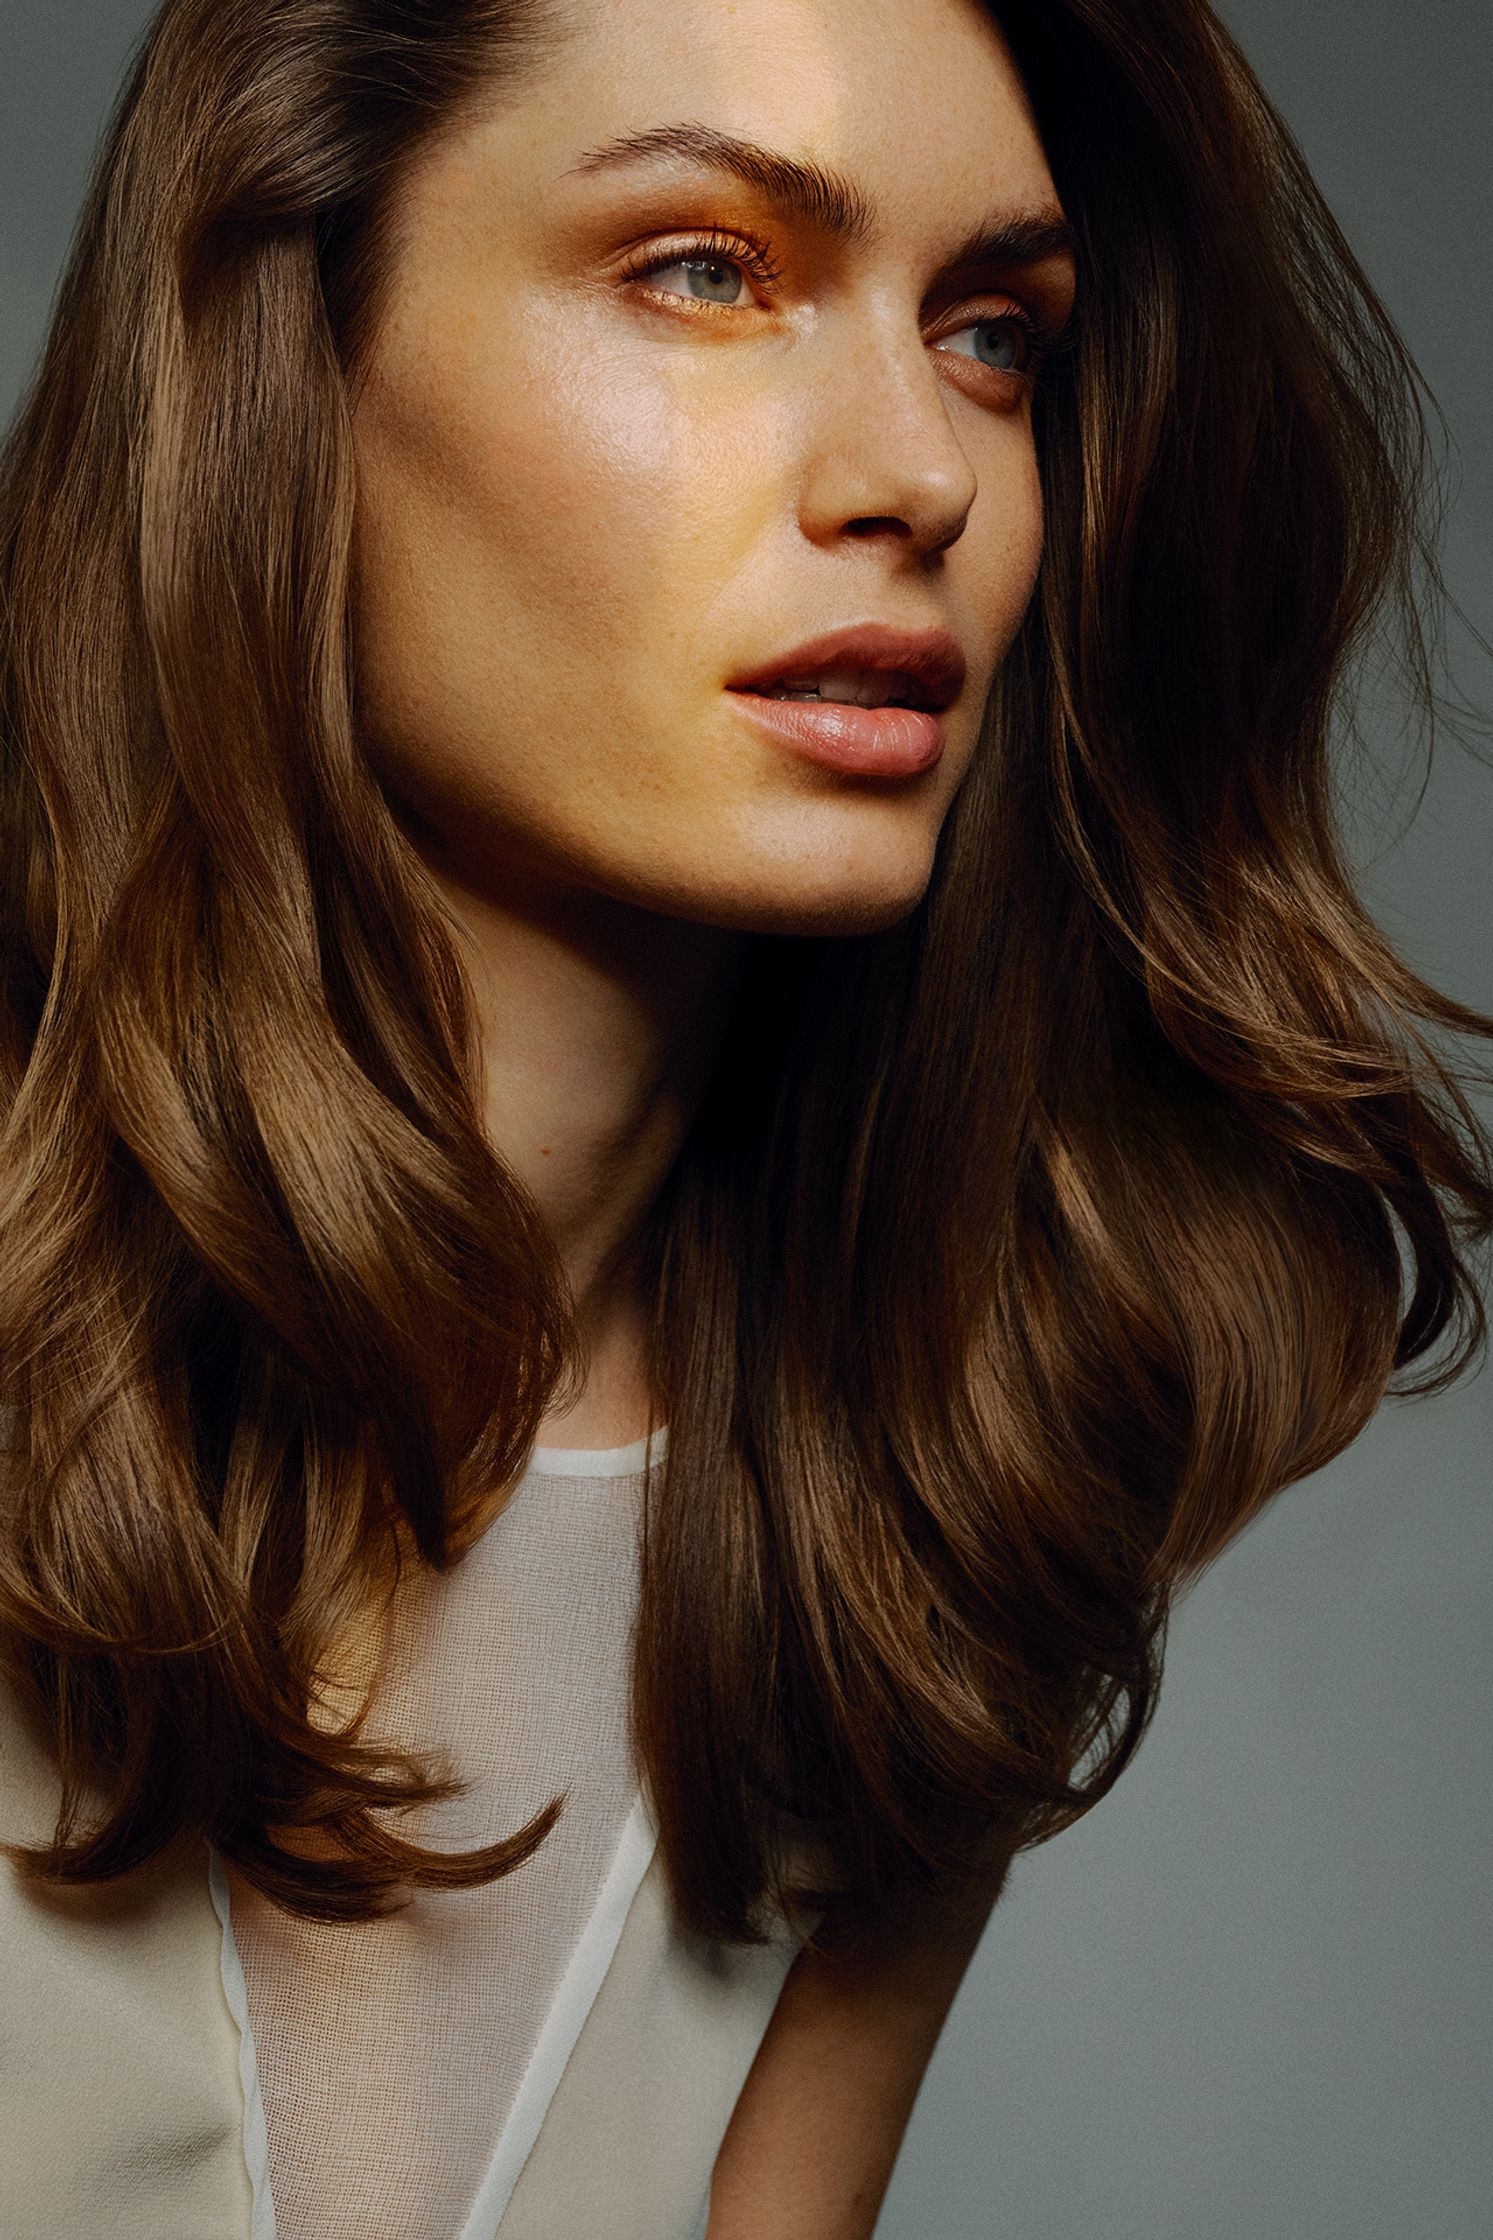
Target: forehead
<point>915,103</point>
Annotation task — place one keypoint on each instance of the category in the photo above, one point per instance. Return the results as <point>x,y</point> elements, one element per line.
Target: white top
<point>404,2065</point>
<point>554,2056</point>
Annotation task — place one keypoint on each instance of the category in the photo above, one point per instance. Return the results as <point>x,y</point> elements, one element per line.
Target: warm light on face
<point>640,417</point>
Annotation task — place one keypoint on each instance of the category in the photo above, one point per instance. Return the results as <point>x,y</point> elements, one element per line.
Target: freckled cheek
<point>590,496</point>
<point>1017,553</point>
<point>541,539</point>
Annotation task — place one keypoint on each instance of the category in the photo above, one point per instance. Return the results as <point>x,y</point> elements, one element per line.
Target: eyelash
<point>754,257</point>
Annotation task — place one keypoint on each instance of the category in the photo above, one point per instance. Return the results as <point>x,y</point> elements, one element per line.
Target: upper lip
<point>932,661</point>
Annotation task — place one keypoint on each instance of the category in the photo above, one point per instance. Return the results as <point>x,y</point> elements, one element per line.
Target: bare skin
<point>587,501</point>
<point>815,2131</point>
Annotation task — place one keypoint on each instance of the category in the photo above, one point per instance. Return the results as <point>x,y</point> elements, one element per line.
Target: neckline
<point>598,1462</point>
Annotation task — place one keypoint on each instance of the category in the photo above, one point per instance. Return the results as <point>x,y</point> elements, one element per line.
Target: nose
<point>884,457</point>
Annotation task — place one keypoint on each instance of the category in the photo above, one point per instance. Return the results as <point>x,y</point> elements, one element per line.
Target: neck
<point>598,1023</point>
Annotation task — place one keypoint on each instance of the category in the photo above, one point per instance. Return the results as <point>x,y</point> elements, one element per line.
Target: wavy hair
<point>1017,1254</point>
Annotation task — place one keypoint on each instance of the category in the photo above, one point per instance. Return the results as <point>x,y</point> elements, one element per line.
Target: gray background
<point>1247,1998</point>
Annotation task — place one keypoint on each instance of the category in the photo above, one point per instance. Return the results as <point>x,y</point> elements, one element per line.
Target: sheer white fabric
<point>390,2054</point>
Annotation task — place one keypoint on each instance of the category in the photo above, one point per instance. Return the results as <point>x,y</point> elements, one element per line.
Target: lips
<point>928,665</point>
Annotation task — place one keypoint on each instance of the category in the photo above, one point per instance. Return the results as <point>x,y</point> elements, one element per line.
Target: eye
<point>712,256</point>
<point>1016,343</point>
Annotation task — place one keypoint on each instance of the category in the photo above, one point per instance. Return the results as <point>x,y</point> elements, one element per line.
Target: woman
<point>474,1039</point>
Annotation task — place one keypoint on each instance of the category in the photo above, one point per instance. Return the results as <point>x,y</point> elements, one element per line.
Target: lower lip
<point>872,742</point>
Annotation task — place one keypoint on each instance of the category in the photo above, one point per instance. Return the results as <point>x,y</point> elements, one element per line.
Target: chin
<point>828,900</point>
<point>843,916</point>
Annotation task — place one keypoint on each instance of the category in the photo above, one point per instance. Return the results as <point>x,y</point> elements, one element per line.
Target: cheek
<point>482,486</point>
<point>1020,553</point>
<point>529,552</point>
<point>554,505</point>
<point>1004,536</point>
<point>488,525</point>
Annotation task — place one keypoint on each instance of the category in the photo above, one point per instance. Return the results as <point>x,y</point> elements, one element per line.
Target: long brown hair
<point>1017,1254</point>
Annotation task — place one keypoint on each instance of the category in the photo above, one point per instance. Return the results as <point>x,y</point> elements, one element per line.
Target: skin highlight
<point>586,499</point>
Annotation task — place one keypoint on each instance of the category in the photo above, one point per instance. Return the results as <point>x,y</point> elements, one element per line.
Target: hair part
<point>969,1351</point>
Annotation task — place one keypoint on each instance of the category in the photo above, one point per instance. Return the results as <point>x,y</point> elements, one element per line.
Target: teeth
<point>861,688</point>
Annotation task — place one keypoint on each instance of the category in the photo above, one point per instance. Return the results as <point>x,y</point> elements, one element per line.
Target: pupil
<point>721,275</point>
<point>1003,354</point>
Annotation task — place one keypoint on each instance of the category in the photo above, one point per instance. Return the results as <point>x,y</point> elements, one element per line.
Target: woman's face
<point>588,499</point>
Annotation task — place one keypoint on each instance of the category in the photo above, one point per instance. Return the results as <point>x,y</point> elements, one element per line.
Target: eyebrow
<point>823,199</point>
